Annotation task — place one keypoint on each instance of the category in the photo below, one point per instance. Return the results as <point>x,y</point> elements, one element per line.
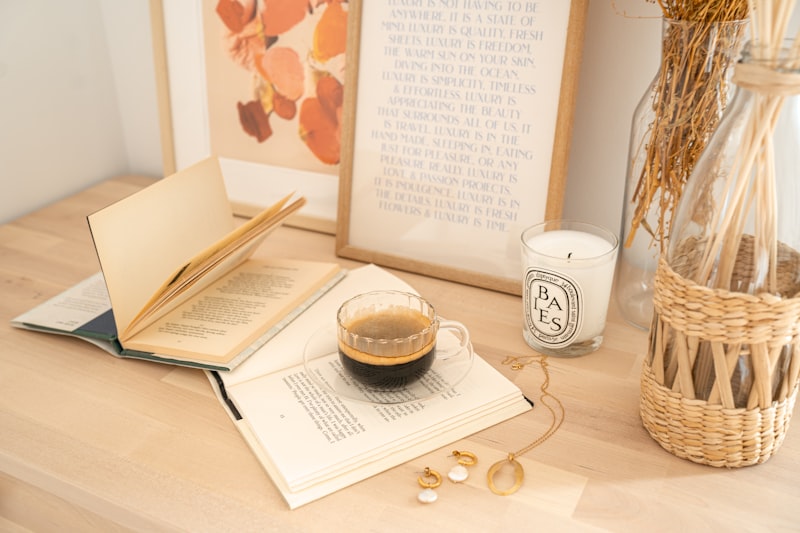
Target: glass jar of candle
<point>568,272</point>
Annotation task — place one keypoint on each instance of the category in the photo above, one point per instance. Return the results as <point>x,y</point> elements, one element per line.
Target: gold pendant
<point>519,474</point>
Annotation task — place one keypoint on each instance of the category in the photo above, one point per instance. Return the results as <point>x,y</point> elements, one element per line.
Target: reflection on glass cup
<point>388,338</point>
<point>568,271</point>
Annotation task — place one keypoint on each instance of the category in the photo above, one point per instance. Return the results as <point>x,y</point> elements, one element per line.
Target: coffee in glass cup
<point>388,338</point>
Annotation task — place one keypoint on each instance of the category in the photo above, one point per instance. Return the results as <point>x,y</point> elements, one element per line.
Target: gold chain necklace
<point>519,363</point>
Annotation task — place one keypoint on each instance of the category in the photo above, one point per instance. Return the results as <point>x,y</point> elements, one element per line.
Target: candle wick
<point>569,255</point>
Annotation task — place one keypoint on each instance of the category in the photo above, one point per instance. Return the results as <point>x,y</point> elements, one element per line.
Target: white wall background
<point>77,98</point>
<point>78,102</point>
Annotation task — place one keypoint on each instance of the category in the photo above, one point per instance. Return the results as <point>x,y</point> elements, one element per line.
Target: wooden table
<point>92,442</point>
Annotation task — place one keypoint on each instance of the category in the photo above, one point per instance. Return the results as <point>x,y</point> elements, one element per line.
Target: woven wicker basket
<point>699,334</point>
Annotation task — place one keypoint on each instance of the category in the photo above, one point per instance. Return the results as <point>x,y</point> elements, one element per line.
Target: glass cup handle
<point>459,330</point>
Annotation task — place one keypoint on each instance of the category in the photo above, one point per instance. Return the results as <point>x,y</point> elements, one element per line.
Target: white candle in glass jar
<point>569,269</point>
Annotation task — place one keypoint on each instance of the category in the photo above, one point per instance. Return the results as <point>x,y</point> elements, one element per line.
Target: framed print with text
<point>259,84</point>
<point>458,118</point>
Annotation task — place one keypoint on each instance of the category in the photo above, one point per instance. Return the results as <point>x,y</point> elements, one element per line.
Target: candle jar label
<point>553,307</point>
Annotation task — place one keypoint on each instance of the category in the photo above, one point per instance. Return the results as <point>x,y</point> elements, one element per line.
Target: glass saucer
<point>322,364</point>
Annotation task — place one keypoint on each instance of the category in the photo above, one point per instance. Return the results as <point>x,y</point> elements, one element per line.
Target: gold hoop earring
<point>459,472</point>
<point>429,480</point>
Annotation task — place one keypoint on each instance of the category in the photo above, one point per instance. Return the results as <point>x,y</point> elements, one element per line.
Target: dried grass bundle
<point>691,92</point>
<point>704,10</point>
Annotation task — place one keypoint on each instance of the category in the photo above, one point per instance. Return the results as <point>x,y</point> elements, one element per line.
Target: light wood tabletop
<point>91,442</point>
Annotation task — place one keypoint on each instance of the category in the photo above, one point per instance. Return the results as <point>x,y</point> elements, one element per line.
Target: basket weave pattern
<point>700,421</point>
<point>710,434</point>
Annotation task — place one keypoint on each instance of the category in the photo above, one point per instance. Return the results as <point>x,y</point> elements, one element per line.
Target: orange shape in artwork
<point>282,67</point>
<point>331,94</point>
<point>254,120</point>
<point>330,35</point>
<point>283,107</point>
<point>320,120</point>
<point>320,131</point>
<point>280,16</point>
<point>235,14</point>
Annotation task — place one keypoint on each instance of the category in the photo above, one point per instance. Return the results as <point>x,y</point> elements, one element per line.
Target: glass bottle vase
<point>670,127</point>
<point>726,331</point>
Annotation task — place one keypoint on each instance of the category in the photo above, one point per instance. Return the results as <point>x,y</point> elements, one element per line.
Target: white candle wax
<point>567,285</point>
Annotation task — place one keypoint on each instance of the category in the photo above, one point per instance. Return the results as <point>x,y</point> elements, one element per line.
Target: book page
<point>248,235</point>
<point>216,324</point>
<point>443,435</point>
<point>142,239</point>
<point>286,348</point>
<point>330,436</point>
<point>190,286</point>
<point>71,309</point>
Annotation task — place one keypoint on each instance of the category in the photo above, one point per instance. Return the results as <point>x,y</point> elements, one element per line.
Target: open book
<point>179,276</point>
<point>313,442</point>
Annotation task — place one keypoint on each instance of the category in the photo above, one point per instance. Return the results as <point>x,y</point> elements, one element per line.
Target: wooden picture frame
<point>457,132</point>
<point>183,94</point>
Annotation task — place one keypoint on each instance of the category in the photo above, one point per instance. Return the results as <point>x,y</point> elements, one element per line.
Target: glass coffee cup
<point>389,338</point>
